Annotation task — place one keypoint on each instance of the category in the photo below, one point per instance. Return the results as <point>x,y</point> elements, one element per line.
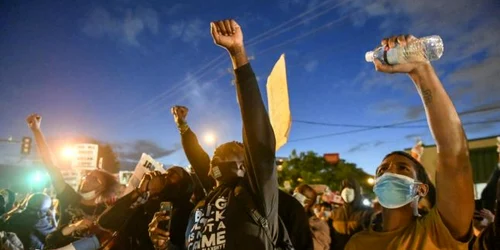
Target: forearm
<point>197,157</point>
<point>49,161</point>
<point>442,116</point>
<point>238,57</point>
<point>114,217</point>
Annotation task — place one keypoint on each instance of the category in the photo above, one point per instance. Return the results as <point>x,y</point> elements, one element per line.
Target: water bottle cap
<point>369,56</point>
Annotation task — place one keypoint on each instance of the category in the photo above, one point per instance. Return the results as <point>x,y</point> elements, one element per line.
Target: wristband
<point>183,127</point>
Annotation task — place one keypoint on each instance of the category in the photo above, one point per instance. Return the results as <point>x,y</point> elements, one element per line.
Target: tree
<point>311,168</point>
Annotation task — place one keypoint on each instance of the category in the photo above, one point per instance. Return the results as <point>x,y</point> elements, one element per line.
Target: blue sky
<point>112,69</point>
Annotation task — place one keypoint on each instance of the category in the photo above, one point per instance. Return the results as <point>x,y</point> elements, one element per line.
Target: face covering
<point>328,214</point>
<point>301,198</point>
<point>228,172</point>
<point>88,195</point>
<point>347,195</point>
<point>395,191</point>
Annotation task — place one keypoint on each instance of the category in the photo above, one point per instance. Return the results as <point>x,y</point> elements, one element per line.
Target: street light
<point>68,152</point>
<point>370,180</point>
<point>210,138</point>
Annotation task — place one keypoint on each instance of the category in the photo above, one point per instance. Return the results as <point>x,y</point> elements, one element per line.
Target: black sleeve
<point>198,158</point>
<point>68,197</point>
<point>488,196</point>
<point>259,142</point>
<point>179,222</point>
<point>117,215</point>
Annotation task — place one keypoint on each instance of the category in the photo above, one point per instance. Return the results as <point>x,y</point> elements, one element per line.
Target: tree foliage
<point>311,168</point>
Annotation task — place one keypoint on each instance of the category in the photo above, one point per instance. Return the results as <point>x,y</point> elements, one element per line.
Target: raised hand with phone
<point>159,228</point>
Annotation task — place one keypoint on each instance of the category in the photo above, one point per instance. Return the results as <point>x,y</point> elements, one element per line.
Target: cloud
<point>482,80</point>
<point>311,66</point>
<point>469,30</point>
<point>414,112</point>
<point>133,151</point>
<point>125,26</point>
<point>188,31</point>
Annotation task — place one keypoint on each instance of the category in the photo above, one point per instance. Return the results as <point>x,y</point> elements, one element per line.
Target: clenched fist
<point>34,121</point>
<point>152,182</point>
<point>227,34</point>
<point>180,113</point>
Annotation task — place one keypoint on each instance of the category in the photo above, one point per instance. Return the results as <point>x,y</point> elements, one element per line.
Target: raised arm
<point>258,135</point>
<point>454,185</point>
<point>34,121</point>
<point>197,157</point>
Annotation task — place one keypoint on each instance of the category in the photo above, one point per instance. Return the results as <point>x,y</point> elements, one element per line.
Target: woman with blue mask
<point>401,181</point>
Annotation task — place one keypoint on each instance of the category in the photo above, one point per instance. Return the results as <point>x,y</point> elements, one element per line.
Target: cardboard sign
<point>279,103</point>
<point>86,156</point>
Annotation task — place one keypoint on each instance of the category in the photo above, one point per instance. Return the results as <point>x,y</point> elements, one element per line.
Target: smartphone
<point>479,207</point>
<point>166,208</point>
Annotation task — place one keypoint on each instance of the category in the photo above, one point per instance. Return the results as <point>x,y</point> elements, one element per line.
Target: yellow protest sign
<point>279,103</point>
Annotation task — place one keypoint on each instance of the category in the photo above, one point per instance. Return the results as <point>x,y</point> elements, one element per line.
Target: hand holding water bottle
<point>405,53</point>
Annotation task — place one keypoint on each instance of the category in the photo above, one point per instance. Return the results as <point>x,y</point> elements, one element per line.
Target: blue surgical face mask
<point>395,191</point>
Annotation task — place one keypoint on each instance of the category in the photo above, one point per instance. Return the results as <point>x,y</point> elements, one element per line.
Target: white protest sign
<point>85,156</point>
<point>279,103</point>
<point>145,165</point>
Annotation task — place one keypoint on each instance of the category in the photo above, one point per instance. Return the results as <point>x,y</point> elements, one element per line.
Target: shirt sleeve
<point>434,227</point>
<point>68,197</point>
<point>259,142</point>
<point>117,215</point>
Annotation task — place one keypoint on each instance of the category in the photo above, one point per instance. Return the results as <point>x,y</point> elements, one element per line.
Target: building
<point>483,156</point>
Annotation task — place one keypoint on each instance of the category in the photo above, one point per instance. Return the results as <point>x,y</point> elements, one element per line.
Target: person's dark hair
<point>229,149</point>
<point>302,188</point>
<point>111,184</point>
<point>326,205</point>
<point>422,175</point>
<point>9,199</point>
<point>186,184</point>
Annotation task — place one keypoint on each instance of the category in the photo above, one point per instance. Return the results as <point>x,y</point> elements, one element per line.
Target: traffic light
<point>26,146</point>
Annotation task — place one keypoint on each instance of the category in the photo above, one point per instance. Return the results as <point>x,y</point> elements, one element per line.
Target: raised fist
<point>152,182</point>
<point>34,121</point>
<point>227,34</point>
<point>392,42</point>
<point>179,113</point>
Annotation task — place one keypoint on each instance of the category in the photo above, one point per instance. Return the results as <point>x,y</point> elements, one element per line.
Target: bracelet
<point>183,127</point>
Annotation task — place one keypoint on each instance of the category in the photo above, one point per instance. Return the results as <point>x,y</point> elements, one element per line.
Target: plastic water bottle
<point>425,49</point>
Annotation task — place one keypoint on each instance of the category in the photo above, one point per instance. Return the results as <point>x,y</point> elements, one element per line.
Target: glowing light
<point>366,202</point>
<point>371,181</point>
<point>209,138</point>
<point>68,152</point>
<point>38,177</point>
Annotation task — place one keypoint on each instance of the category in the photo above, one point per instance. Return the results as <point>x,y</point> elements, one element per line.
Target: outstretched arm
<point>454,185</point>
<point>197,157</point>
<point>258,135</point>
<point>34,121</point>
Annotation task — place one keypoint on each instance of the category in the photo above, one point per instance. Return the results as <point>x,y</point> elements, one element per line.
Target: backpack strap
<point>260,220</point>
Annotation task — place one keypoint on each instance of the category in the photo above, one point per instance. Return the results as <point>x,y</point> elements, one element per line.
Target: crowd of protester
<point>233,200</point>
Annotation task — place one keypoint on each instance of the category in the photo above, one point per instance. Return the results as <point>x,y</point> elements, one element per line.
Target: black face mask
<point>229,172</point>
